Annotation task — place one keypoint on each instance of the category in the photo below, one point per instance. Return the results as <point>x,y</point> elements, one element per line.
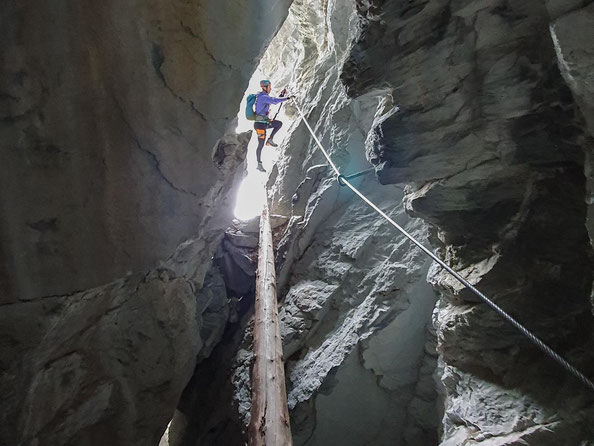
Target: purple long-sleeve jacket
<point>263,103</point>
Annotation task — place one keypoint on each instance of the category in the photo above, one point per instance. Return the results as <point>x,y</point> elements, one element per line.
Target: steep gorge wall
<point>490,141</point>
<point>115,173</point>
<point>110,115</point>
<point>110,124</point>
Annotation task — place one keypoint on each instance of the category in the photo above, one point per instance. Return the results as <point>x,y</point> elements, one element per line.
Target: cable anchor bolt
<point>341,178</point>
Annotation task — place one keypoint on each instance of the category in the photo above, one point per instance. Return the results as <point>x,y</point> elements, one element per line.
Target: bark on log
<point>269,424</point>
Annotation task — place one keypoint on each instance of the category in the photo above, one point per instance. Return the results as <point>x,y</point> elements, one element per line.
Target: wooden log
<point>269,424</point>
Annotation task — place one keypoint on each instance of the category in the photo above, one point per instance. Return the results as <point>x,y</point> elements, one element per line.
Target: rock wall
<point>491,141</point>
<point>110,115</point>
<point>93,367</point>
<point>118,164</point>
<point>466,104</point>
<point>117,159</point>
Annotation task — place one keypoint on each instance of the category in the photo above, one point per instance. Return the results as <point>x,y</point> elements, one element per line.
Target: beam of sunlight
<point>251,194</point>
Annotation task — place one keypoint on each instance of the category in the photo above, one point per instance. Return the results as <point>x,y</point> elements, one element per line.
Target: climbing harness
<point>343,180</point>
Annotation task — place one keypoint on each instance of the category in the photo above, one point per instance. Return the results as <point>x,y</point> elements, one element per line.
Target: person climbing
<point>263,122</point>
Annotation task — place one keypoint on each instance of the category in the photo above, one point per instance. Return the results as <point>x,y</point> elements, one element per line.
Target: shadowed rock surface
<point>489,138</point>
<point>91,367</point>
<point>110,115</point>
<point>118,156</point>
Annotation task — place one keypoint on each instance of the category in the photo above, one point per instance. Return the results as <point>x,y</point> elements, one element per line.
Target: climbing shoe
<point>270,142</point>
<point>261,167</point>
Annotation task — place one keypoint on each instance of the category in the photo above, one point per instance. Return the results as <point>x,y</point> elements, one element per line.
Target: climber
<point>263,122</point>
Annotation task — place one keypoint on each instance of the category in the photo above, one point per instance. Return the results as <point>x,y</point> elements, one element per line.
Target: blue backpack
<point>250,114</point>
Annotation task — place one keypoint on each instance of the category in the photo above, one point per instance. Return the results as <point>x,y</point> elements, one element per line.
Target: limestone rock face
<point>118,161</point>
<point>488,137</point>
<point>104,365</point>
<point>572,31</point>
<point>110,115</point>
<point>354,329</point>
<point>482,110</point>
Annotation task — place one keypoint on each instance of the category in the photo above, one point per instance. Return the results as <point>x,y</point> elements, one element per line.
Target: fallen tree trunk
<point>269,424</point>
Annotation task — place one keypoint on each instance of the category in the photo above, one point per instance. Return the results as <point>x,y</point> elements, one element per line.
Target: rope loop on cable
<point>343,181</point>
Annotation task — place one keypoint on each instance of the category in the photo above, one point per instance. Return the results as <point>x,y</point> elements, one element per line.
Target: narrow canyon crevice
<point>126,287</point>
